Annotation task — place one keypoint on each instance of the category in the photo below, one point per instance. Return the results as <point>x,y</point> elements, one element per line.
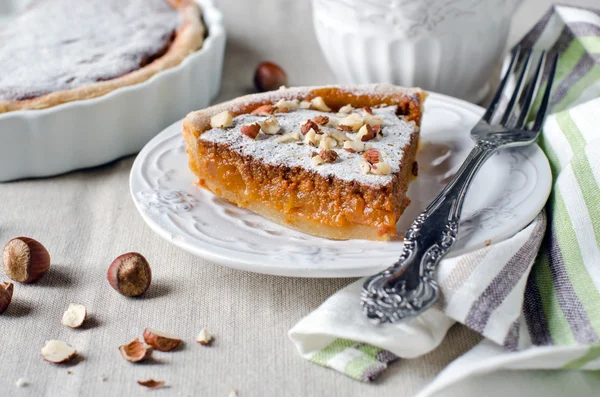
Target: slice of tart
<point>58,51</point>
<point>333,161</point>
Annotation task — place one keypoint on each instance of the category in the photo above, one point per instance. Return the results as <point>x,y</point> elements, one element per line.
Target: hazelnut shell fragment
<point>136,351</point>
<point>25,260</point>
<point>130,274</point>
<point>161,340</point>
<point>151,383</point>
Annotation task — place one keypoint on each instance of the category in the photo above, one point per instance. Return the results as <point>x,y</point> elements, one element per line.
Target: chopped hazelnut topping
<point>365,167</point>
<point>332,123</point>
<point>289,137</point>
<point>308,125</point>
<point>372,120</point>
<point>318,103</point>
<point>310,138</point>
<point>354,147</point>
<point>381,168</point>
<point>368,110</point>
<point>284,106</point>
<point>327,142</point>
<point>317,160</point>
<point>354,121</point>
<point>328,155</point>
<point>339,136</point>
<point>250,130</point>
<point>221,120</point>
<point>304,105</point>
<point>347,109</point>
<point>372,156</point>
<point>378,130</point>
<point>264,110</point>
<point>365,133</point>
<point>270,126</point>
<point>321,120</point>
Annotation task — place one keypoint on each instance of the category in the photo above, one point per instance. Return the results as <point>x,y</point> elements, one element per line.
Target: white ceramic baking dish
<point>80,134</point>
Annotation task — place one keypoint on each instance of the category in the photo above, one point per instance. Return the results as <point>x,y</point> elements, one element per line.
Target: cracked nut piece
<point>269,76</point>
<point>162,341</point>
<point>365,167</point>
<point>221,120</point>
<point>74,316</point>
<point>57,351</point>
<point>318,103</point>
<point>25,260</point>
<point>152,384</point>
<point>327,142</point>
<point>204,338</point>
<point>136,351</point>
<point>371,156</point>
<point>264,110</point>
<point>317,160</point>
<point>250,130</point>
<point>284,106</point>
<point>308,125</point>
<point>321,120</point>
<point>310,138</point>
<point>381,168</point>
<point>130,274</point>
<point>372,120</point>
<point>270,126</point>
<point>354,147</point>
<point>6,294</point>
<point>352,122</point>
<point>366,133</point>
<point>289,137</point>
<point>304,105</point>
<point>328,155</point>
<point>347,109</point>
<point>339,136</point>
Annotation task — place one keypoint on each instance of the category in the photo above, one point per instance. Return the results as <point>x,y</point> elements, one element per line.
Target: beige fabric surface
<point>87,218</point>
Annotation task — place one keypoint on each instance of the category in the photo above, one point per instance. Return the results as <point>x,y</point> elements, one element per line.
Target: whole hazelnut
<point>130,274</point>
<point>25,260</point>
<point>269,76</point>
<point>6,294</point>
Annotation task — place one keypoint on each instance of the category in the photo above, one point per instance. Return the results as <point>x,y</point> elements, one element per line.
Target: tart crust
<point>189,37</point>
<point>299,197</point>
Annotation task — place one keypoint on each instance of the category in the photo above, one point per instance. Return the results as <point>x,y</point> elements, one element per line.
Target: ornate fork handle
<point>409,286</point>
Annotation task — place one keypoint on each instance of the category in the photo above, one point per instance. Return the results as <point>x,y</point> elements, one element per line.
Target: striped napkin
<point>535,298</point>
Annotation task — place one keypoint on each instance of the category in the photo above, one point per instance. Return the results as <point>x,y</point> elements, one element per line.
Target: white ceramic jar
<point>447,46</point>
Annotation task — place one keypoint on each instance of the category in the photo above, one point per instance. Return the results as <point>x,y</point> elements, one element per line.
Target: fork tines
<point>519,89</point>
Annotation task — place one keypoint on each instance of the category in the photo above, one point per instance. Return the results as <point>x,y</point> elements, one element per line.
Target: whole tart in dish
<point>57,51</point>
<point>329,161</point>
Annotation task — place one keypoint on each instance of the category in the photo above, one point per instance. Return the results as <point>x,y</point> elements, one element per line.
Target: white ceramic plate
<point>506,195</point>
<point>87,133</point>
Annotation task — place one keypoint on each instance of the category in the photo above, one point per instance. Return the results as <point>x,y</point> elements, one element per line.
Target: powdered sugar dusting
<point>61,44</point>
<point>397,134</point>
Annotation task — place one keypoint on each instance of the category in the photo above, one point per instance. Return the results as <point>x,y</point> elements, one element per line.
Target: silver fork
<point>409,287</point>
